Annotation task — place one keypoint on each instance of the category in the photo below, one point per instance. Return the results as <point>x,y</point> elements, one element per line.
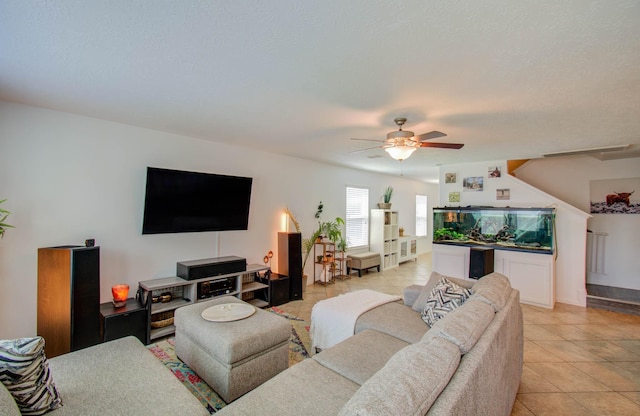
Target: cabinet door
<point>123,325</point>
<point>532,274</point>
<point>451,260</point>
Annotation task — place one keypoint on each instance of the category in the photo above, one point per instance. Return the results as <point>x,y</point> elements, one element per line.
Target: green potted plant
<point>307,243</point>
<point>332,229</point>
<point>3,216</point>
<point>341,245</point>
<point>386,198</point>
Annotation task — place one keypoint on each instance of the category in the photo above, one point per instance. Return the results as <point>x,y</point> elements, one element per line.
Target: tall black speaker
<point>480,262</point>
<point>68,298</point>
<point>290,262</point>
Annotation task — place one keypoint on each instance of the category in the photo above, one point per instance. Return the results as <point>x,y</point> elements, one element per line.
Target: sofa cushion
<point>493,289</point>
<point>463,326</point>
<point>435,277</point>
<point>359,357</point>
<point>393,319</point>
<point>24,370</point>
<point>409,383</point>
<point>120,377</point>
<point>306,388</point>
<point>444,298</point>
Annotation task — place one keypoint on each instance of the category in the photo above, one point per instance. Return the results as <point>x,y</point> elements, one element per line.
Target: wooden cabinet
<point>68,298</point>
<point>182,292</point>
<point>384,236</point>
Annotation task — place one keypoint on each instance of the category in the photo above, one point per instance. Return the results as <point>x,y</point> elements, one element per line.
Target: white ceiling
<point>510,79</point>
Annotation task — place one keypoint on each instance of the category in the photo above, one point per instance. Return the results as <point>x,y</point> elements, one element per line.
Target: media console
<point>163,296</point>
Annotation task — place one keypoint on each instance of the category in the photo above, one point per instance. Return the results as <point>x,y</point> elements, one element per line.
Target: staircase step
<point>615,305</point>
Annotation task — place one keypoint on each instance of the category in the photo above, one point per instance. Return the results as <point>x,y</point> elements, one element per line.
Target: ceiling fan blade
<point>442,145</point>
<point>364,150</point>
<point>431,135</point>
<point>369,140</point>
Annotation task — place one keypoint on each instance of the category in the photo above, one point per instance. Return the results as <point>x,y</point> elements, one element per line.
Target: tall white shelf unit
<point>384,236</point>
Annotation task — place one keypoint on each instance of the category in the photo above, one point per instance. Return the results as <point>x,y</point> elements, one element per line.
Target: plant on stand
<point>386,198</point>
<point>330,229</point>
<point>333,230</point>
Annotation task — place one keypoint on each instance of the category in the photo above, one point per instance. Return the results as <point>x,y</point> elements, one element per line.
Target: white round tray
<point>226,312</point>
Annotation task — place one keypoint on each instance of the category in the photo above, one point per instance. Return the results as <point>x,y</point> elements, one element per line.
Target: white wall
<point>68,178</point>
<point>571,222</point>
<point>569,179</point>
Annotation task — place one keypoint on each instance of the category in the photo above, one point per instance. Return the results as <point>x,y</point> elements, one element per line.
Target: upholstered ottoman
<point>364,261</point>
<point>232,357</point>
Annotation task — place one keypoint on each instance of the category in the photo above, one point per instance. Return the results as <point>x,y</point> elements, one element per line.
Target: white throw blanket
<point>334,319</point>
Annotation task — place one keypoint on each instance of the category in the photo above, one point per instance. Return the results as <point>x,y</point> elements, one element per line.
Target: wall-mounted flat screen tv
<point>181,202</point>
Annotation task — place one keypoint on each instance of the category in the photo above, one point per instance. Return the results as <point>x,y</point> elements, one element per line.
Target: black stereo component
<point>200,269</point>
<point>216,287</point>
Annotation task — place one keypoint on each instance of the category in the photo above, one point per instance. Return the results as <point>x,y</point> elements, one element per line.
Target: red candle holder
<point>120,293</point>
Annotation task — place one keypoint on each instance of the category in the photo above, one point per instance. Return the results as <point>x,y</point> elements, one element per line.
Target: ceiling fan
<point>401,144</point>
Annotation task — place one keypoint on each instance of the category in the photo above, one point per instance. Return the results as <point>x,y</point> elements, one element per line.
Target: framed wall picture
<point>503,194</point>
<point>454,196</point>
<point>450,177</point>
<point>494,172</point>
<point>615,196</point>
<point>473,184</point>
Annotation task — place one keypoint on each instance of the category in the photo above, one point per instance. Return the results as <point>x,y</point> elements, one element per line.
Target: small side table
<point>130,319</point>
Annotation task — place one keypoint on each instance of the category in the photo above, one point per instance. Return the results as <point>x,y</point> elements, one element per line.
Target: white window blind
<point>421,215</point>
<point>357,221</point>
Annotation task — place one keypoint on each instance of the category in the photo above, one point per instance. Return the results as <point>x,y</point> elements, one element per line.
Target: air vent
<point>590,152</point>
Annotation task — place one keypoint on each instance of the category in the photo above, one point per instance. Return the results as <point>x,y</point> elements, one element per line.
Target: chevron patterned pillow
<point>24,371</point>
<point>445,297</point>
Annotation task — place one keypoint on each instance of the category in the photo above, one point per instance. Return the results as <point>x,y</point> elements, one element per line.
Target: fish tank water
<point>521,229</point>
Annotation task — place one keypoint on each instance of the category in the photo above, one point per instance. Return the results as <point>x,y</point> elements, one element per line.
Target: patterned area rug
<point>299,345</point>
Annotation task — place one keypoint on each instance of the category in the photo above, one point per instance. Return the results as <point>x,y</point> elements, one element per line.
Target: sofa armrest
<point>7,403</point>
<point>411,293</point>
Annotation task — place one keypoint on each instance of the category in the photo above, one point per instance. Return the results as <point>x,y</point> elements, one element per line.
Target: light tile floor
<point>577,361</point>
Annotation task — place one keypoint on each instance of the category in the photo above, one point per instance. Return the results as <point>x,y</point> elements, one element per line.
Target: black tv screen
<point>181,202</point>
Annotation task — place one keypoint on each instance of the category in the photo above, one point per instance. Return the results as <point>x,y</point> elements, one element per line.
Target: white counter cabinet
<point>533,274</point>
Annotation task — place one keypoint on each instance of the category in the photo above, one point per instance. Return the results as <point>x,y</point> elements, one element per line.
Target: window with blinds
<point>357,221</point>
<point>421,215</point>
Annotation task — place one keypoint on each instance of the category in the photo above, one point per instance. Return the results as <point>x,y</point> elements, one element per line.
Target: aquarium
<point>522,229</point>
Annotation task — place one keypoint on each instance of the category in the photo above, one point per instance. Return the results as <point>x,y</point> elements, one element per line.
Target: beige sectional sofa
<point>119,377</point>
<point>468,363</point>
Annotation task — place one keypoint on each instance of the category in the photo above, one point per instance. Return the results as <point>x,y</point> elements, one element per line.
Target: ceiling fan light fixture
<point>400,152</point>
